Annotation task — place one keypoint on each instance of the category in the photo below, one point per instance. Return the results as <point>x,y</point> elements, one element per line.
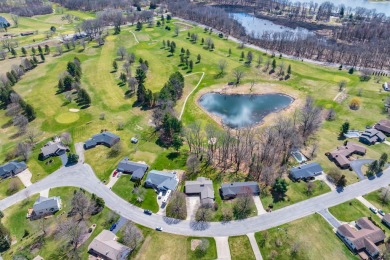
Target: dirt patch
<point>259,88</point>
<point>195,243</point>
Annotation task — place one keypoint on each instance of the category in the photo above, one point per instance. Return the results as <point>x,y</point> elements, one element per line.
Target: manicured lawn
<point>374,198</point>
<point>124,188</point>
<point>297,191</point>
<point>211,252</point>
<point>5,185</point>
<point>312,236</point>
<point>240,248</point>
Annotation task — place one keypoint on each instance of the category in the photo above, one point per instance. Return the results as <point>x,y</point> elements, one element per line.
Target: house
<point>386,219</point>
<point>44,206</point>
<point>305,171</point>
<point>4,23</point>
<point>161,181</point>
<point>136,169</point>
<point>372,136</point>
<point>105,138</point>
<point>11,169</point>
<point>386,86</point>
<point>362,240</point>
<point>105,246</point>
<point>383,126</point>
<point>342,153</point>
<point>232,190</point>
<point>53,148</point>
<point>202,187</point>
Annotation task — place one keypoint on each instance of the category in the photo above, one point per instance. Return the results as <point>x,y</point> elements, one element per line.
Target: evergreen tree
<point>289,69</point>
<point>140,76</point>
<point>60,85</point>
<point>114,65</point>
<point>29,112</point>
<point>198,58</point>
<point>47,49</point>
<point>35,60</point>
<point>39,49</point>
<point>139,26</point>
<point>5,238</point>
<point>11,78</point>
<point>242,55</point>
<point>33,51</point>
<point>351,70</point>
<point>13,52</point>
<point>230,52</point>
<point>344,127</point>
<point>191,65</point>
<point>68,81</point>
<point>123,78</point>
<point>141,93</point>
<point>342,182</point>
<point>24,51</point>
<point>273,64</point>
<point>42,57</point>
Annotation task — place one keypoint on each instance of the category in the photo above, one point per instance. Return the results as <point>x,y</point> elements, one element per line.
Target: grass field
<point>5,185</point>
<point>374,198</point>
<point>312,237</point>
<point>240,248</point>
<point>210,254</point>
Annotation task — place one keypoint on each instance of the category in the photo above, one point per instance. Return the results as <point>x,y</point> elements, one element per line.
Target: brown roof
<point>383,125</point>
<point>364,238</point>
<point>341,154</point>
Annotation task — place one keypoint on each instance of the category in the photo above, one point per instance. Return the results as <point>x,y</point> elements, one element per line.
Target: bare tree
<point>132,236</point>
<point>203,214</point>
<point>244,203</point>
<point>73,230</point>
<point>80,205</point>
<point>222,66</point>
<point>310,186</point>
<point>122,52</point>
<point>59,49</point>
<point>177,30</point>
<point>385,195</point>
<point>66,138</point>
<point>177,207</point>
<point>23,150</point>
<point>132,84</point>
<point>193,164</point>
<point>21,122</point>
<point>13,186</point>
<point>342,85</point>
<point>238,75</point>
<point>127,69</point>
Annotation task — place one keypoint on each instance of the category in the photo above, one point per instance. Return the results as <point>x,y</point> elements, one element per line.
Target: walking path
<point>254,245</point>
<point>135,37</point>
<point>223,250</point>
<point>330,218</point>
<point>197,85</point>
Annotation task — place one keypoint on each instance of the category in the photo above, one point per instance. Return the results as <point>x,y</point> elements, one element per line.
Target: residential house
<point>4,23</point>
<point>305,171</point>
<point>386,86</point>
<point>53,148</point>
<point>136,169</point>
<point>202,187</point>
<point>342,154</point>
<point>105,138</point>
<point>105,246</point>
<point>383,126</point>
<point>363,239</point>
<point>232,190</point>
<point>11,169</point>
<point>386,219</point>
<point>372,136</point>
<point>161,181</point>
<point>45,206</point>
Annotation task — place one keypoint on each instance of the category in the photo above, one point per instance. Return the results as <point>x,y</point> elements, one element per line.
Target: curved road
<point>82,175</point>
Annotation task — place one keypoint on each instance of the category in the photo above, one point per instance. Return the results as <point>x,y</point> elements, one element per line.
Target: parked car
<point>374,210</point>
<point>113,227</point>
<point>159,195</point>
<point>134,140</point>
<point>114,173</point>
<point>381,212</point>
<point>147,212</point>
<point>159,229</point>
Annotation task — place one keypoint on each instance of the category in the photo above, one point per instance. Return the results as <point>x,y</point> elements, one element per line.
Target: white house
<point>44,206</point>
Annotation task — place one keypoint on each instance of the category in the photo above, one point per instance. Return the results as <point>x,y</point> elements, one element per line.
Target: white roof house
<point>105,246</point>
<point>47,205</point>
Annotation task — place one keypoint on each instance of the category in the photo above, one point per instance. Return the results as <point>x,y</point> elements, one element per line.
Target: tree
<point>66,138</point>
<point>383,160</point>
<point>5,238</point>
<point>24,51</point>
<point>242,55</point>
<point>132,84</point>
<point>280,187</point>
<point>132,236</point>
<point>342,85</point>
<point>73,158</point>
<point>355,103</point>
<point>115,66</point>
<point>139,26</point>
<point>122,52</point>
<point>244,203</point>
<point>191,65</point>
<point>384,196</point>
<point>13,186</point>
<point>342,182</point>
<point>238,75</point>
<point>230,52</point>
<point>33,51</point>
<point>289,69</point>
<point>351,70</point>
<point>13,52</point>
<point>310,186</point>
<point>249,57</point>
<point>115,150</point>
<point>83,97</point>
<point>177,141</point>
<point>176,30</point>
<point>177,207</point>
<point>222,66</point>
<point>42,57</point>
<point>23,150</point>
<point>202,248</point>
<point>273,65</point>
<point>227,214</point>
<point>344,128</point>
<point>73,230</point>
<point>80,205</point>
<point>334,175</point>
<point>198,58</point>
<point>203,214</point>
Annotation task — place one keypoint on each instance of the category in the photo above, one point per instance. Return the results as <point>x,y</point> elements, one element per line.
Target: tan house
<point>341,155</point>
<point>383,126</point>
<point>363,238</point>
<point>105,246</point>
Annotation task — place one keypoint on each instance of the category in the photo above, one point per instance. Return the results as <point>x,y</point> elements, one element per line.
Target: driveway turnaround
<point>82,175</point>
<point>357,166</point>
<point>223,250</point>
<point>254,245</point>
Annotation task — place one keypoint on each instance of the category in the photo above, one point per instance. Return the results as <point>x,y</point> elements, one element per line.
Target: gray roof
<point>52,148</point>
<point>4,22</point>
<point>162,180</point>
<point>236,188</point>
<point>105,244</point>
<point>137,169</point>
<point>12,167</point>
<point>306,170</point>
<point>202,186</point>
<point>104,138</point>
<point>373,135</point>
<point>43,203</point>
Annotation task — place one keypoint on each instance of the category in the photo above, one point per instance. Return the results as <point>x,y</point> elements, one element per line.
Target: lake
<point>243,110</point>
<point>259,26</point>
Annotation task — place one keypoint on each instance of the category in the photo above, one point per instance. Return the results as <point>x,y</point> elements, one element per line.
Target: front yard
<point>240,248</point>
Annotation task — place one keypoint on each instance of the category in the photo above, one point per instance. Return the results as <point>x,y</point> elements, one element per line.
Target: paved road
<point>330,218</point>
<point>82,175</point>
<point>357,167</point>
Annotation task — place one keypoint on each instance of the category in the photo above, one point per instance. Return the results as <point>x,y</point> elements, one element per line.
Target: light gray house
<point>53,149</point>
<point>372,136</point>
<point>12,168</point>
<point>232,190</point>
<point>105,246</point>
<point>161,181</point>
<point>202,187</point>
<point>137,170</point>
<point>105,138</point>
<point>44,206</point>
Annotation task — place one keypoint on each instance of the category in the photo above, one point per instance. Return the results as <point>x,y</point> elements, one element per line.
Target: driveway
<point>368,204</point>
<point>25,177</point>
<point>193,203</point>
<point>119,224</point>
<point>64,159</point>
<point>259,205</point>
<point>323,178</point>
<point>330,218</point>
<point>113,180</point>
<point>223,250</point>
<point>82,175</point>
<point>357,165</point>
<point>79,147</point>
<point>255,247</point>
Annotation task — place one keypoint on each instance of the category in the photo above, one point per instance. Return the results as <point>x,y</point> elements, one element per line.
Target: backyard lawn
<point>307,238</point>
<point>240,248</point>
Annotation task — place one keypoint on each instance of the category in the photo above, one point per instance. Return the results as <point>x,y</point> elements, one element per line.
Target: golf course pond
<point>243,110</point>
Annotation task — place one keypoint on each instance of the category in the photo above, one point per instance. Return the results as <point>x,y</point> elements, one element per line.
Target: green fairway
<point>296,241</point>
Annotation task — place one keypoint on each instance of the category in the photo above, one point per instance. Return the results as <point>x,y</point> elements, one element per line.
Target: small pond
<point>243,110</point>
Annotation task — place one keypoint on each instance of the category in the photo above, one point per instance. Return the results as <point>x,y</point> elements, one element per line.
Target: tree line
<point>26,8</point>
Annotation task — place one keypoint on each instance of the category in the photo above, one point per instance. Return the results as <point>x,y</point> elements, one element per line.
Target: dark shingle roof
<point>3,22</point>
<point>202,186</point>
<point>236,188</point>
<point>137,169</point>
<point>106,138</point>
<point>306,170</point>
<point>162,180</point>
<point>11,167</point>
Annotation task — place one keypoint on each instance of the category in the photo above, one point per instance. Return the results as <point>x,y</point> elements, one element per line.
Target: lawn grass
<point>5,184</point>
<point>320,242</point>
<point>297,191</point>
<point>211,252</point>
<point>374,198</point>
<point>240,248</point>
<point>124,188</point>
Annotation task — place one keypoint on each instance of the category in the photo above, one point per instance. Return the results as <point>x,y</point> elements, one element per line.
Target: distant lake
<point>243,110</point>
<point>259,26</point>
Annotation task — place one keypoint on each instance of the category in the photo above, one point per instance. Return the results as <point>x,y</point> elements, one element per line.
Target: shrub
<point>177,206</point>
<point>355,103</point>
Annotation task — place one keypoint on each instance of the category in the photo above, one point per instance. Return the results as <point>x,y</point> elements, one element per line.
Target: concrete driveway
<point>330,218</point>
<point>193,203</point>
<point>223,250</point>
<point>259,205</point>
<point>79,147</point>
<point>64,159</point>
<point>25,177</point>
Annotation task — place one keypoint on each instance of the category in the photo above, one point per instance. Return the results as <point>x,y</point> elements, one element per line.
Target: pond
<point>258,26</point>
<point>243,110</point>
